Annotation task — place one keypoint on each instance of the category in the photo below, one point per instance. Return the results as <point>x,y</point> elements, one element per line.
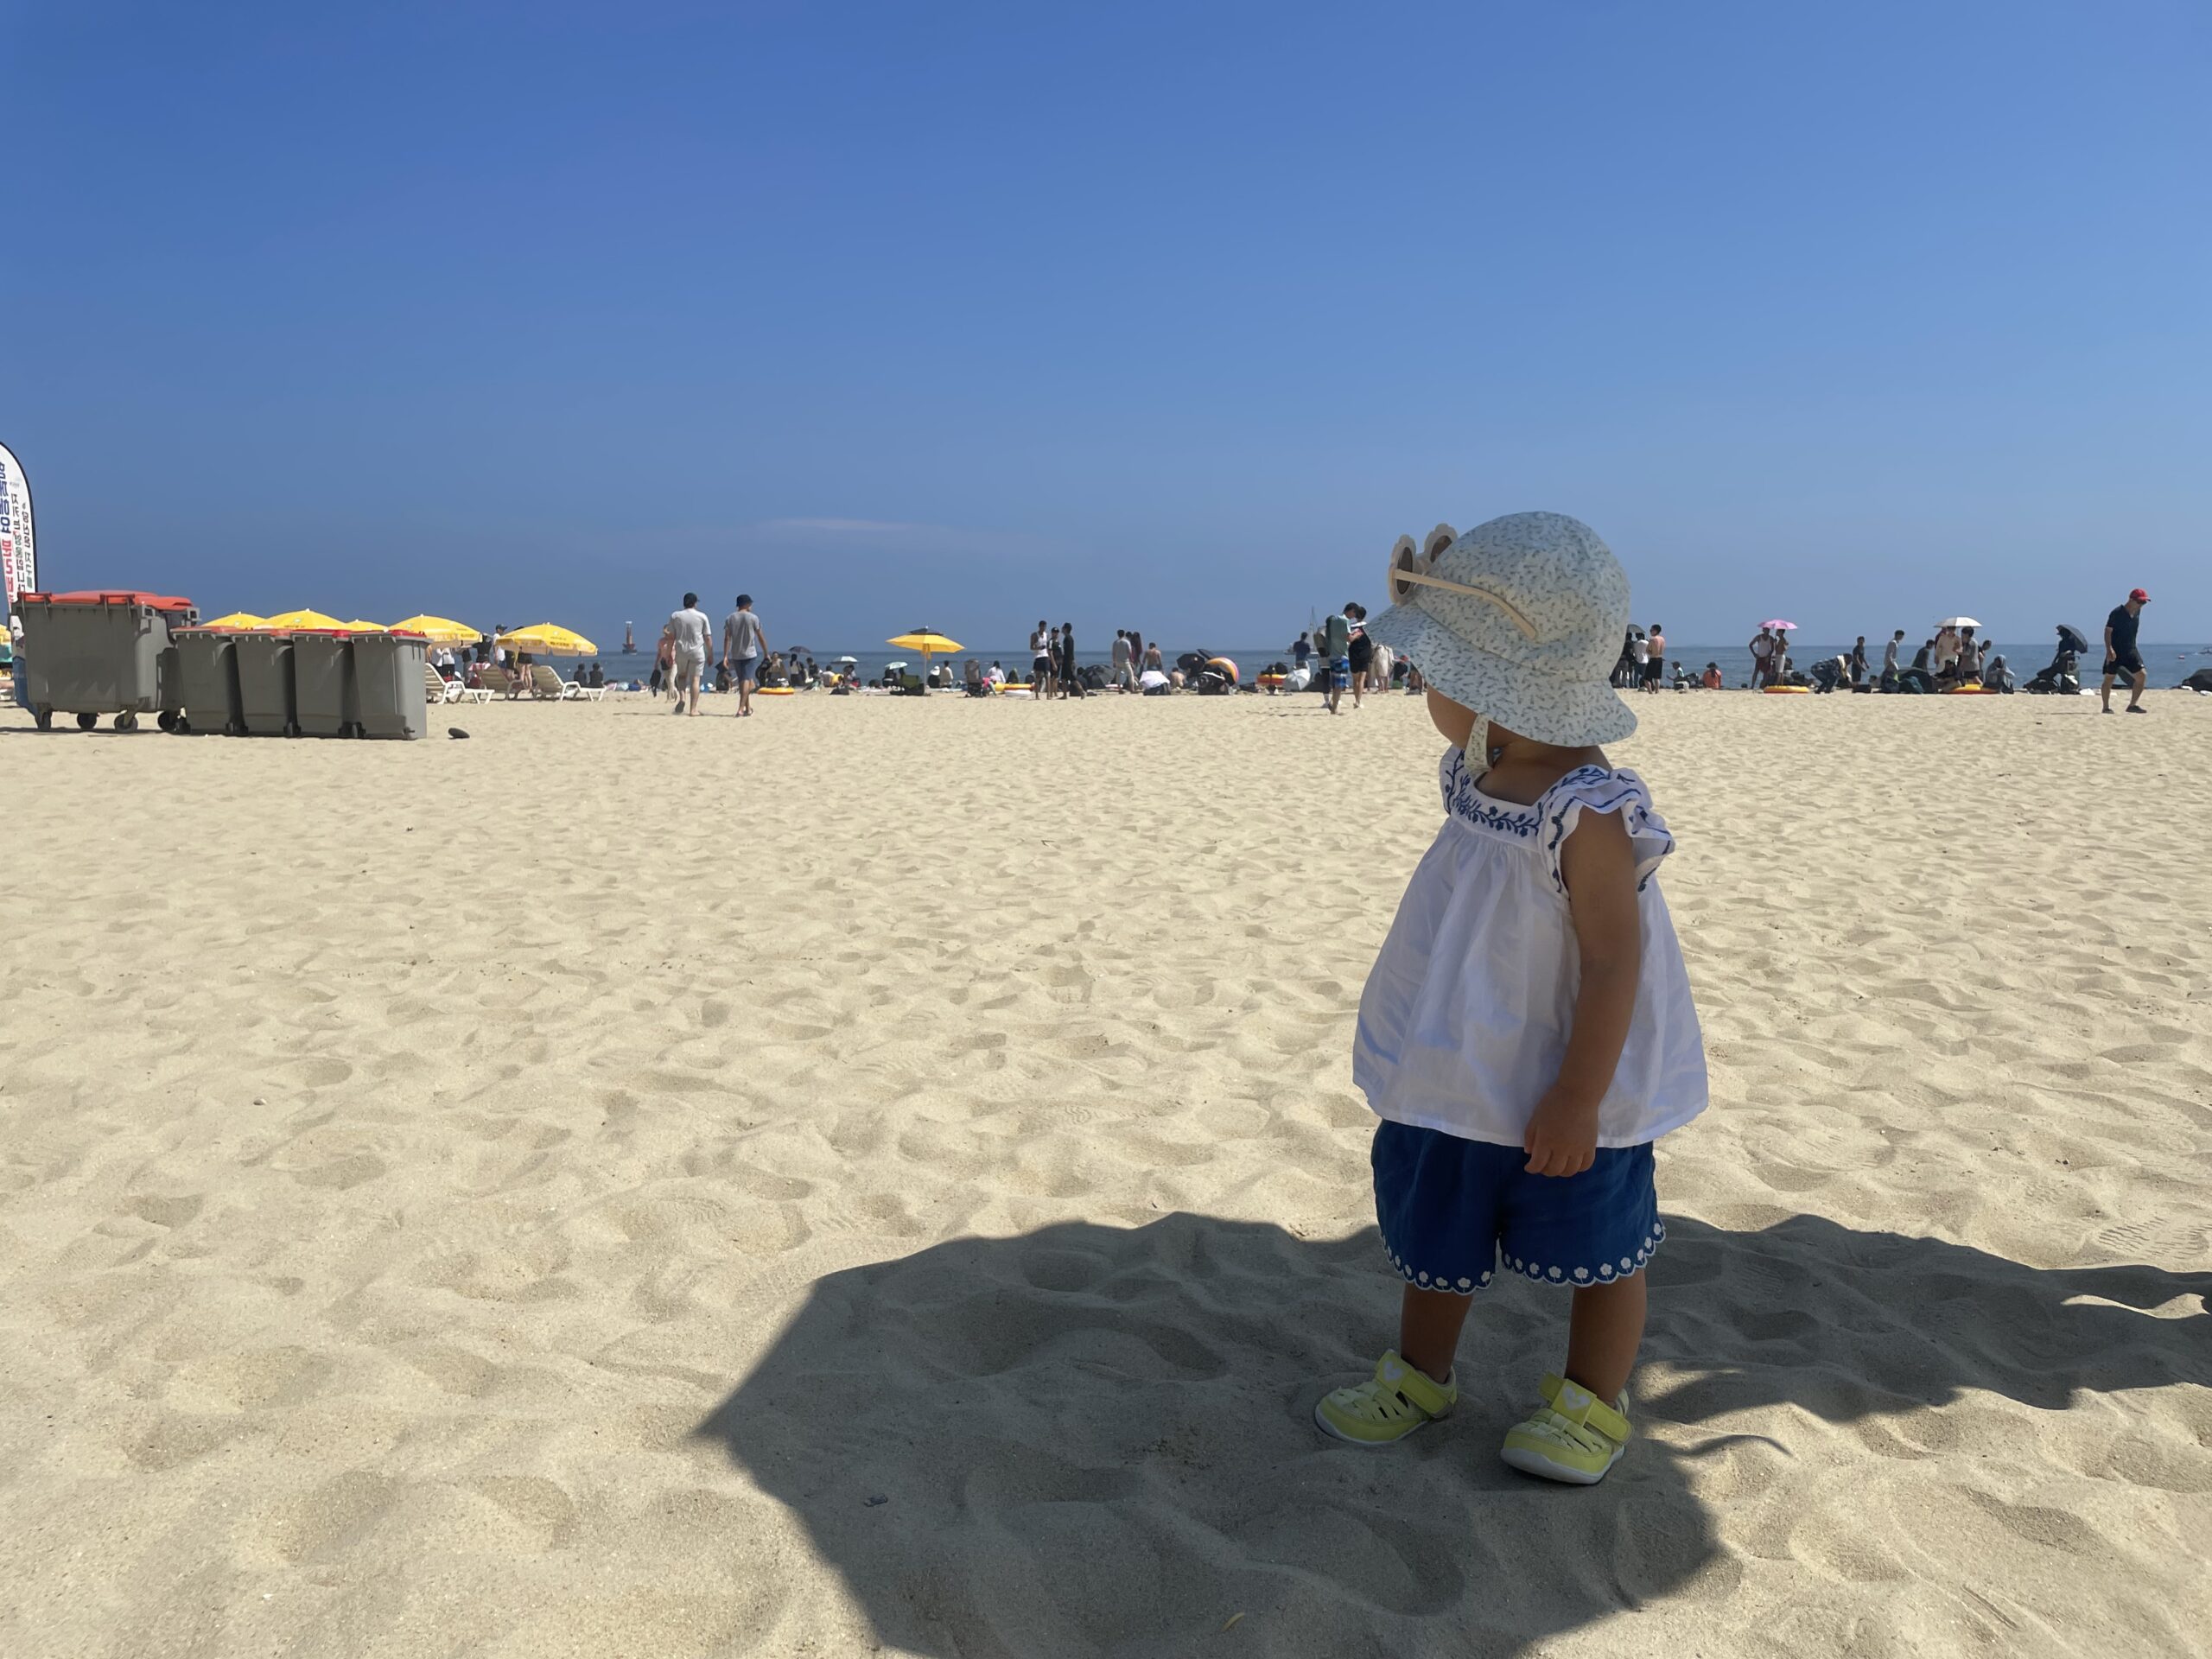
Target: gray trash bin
<point>388,678</point>
<point>265,705</point>
<point>325,703</point>
<point>207,678</point>
<point>96,653</point>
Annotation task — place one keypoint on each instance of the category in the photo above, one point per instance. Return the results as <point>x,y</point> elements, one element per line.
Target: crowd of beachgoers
<point>1334,658</point>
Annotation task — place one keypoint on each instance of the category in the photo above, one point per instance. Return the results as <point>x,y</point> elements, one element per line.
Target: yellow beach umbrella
<point>927,641</point>
<point>358,626</point>
<point>545,639</point>
<point>237,620</point>
<point>439,629</point>
<point>302,619</point>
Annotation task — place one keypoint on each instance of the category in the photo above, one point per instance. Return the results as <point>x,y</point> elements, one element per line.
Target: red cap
<point>2140,597</point>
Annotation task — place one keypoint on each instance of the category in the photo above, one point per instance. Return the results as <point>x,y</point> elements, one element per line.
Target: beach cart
<point>97,652</point>
<point>265,705</point>
<point>324,701</point>
<point>389,683</point>
<point>207,680</point>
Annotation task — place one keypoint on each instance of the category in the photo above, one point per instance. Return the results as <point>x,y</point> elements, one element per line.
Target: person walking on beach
<point>745,642</point>
<point>1122,678</point>
<point>688,631</point>
<point>2121,655</point>
<point>1042,642</point>
<point>1360,652</point>
<point>1655,665</point>
<point>1336,651</point>
<point>663,666</point>
<point>1065,661</point>
<point>1527,1030</point>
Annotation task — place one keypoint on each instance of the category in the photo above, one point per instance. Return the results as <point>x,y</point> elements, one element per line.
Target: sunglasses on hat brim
<point>1410,571</point>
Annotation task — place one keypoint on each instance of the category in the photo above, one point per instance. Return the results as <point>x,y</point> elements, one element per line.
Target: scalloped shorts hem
<point>1455,1213</point>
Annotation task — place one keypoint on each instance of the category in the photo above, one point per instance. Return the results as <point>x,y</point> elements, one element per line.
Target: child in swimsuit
<point>1527,1032</point>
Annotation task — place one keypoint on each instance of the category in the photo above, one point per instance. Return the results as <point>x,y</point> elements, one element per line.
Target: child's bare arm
<point>1599,865</point>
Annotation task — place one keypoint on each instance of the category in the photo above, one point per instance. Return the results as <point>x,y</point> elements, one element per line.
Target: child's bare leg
<point>1603,1333</point>
<point>1428,1329</point>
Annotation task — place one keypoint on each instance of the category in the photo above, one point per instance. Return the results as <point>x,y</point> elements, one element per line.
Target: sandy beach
<point>884,1176</point>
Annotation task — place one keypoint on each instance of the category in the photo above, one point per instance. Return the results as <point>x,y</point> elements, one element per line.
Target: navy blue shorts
<point>1451,1209</point>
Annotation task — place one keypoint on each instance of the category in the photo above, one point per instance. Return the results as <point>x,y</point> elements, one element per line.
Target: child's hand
<point>1562,1136</point>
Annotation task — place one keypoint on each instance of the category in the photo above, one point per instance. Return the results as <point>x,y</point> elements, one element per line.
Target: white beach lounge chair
<point>545,683</point>
<point>438,688</point>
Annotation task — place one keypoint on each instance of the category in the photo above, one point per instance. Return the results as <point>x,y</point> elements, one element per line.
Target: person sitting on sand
<point>1528,1030</point>
<point>1997,677</point>
<point>1712,680</point>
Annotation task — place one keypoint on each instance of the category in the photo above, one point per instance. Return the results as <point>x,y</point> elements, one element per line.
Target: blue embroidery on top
<point>1630,802</point>
<point>1464,803</point>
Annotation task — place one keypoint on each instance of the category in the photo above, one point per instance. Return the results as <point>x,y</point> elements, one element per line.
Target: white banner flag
<point>19,552</point>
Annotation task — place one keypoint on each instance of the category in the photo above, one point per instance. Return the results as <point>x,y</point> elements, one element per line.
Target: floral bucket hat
<point>1520,620</point>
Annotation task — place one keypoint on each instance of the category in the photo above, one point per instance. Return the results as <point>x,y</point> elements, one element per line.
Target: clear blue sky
<point>1165,316</point>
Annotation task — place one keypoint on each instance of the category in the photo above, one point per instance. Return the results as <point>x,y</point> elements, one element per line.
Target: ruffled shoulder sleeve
<point>1593,789</point>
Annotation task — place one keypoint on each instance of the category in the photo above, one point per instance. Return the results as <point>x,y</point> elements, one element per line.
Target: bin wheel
<point>126,721</point>
<point>44,717</point>
<point>234,729</point>
<point>170,721</point>
<point>292,729</point>
<point>86,723</point>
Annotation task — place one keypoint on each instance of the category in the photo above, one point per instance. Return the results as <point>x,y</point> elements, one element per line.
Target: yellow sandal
<point>1573,1437</point>
<point>1398,1399</point>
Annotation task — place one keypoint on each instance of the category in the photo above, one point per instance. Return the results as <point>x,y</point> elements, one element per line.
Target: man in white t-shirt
<point>1040,660</point>
<point>688,630</point>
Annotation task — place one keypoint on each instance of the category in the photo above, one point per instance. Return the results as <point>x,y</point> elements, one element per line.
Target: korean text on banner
<point>18,554</point>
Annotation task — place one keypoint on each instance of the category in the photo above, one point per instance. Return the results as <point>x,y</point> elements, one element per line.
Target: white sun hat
<point>1520,620</point>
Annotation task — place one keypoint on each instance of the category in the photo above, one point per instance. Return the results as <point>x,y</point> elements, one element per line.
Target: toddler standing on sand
<point>1527,1032</point>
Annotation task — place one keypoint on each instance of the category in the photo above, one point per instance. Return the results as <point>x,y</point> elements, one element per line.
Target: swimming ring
<point>1788,690</point>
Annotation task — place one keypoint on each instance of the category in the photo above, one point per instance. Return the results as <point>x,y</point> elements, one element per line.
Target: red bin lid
<point>114,596</point>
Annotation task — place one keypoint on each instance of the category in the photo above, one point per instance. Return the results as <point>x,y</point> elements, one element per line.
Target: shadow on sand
<point>1008,1447</point>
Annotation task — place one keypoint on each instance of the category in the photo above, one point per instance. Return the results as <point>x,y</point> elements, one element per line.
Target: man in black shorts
<point>1041,653</point>
<point>2121,655</point>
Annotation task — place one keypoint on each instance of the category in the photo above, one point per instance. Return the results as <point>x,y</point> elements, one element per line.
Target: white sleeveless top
<point>1464,1020</point>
